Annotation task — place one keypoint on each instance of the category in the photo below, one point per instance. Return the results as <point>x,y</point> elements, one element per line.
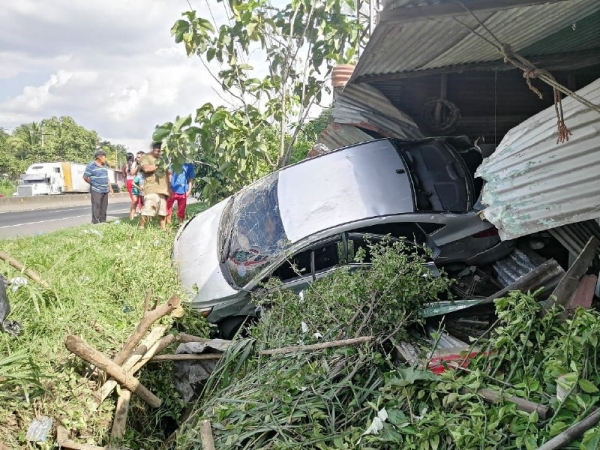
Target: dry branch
<point>148,319</point>
<point>572,433</point>
<point>79,347</point>
<point>304,348</point>
<point>133,359</point>
<point>206,436</point>
<point>119,424</point>
<point>186,357</point>
<point>19,266</point>
<point>63,441</point>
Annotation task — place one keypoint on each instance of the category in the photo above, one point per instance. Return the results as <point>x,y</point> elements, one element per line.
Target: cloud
<point>111,65</point>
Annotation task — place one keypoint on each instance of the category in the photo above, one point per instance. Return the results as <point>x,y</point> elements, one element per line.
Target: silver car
<point>304,221</point>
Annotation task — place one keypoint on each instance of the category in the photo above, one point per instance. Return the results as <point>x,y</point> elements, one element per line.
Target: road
<point>24,223</point>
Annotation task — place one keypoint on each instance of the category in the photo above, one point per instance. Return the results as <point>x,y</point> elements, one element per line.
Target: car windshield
<point>252,232</point>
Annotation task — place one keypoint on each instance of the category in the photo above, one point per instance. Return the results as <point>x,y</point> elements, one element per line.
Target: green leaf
<point>182,122</point>
<point>587,386</point>
<point>161,132</point>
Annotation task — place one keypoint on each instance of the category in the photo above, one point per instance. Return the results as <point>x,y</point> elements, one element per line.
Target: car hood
<point>196,255</point>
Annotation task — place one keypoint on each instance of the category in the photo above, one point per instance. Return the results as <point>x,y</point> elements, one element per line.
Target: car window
<point>320,257</point>
<point>409,231</point>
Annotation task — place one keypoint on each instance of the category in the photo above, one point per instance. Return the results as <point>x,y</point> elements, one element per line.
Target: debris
<point>16,283</point>
<point>19,266</point>
<point>10,327</point>
<point>38,429</point>
<point>79,347</point>
<point>185,338</point>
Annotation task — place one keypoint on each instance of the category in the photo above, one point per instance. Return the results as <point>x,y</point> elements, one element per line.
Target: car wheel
<point>229,327</point>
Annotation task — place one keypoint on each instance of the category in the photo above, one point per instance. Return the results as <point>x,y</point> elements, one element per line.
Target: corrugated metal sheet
<point>366,107</point>
<point>442,42</point>
<point>340,135</point>
<point>575,235</point>
<point>535,184</point>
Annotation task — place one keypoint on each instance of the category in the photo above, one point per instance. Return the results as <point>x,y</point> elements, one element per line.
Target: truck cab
<point>42,179</point>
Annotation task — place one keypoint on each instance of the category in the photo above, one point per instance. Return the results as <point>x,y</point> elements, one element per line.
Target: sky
<point>112,65</point>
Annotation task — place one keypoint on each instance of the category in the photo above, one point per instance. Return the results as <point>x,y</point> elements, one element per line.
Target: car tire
<point>229,327</point>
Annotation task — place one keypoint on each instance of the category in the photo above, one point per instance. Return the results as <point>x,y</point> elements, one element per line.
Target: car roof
<point>348,185</point>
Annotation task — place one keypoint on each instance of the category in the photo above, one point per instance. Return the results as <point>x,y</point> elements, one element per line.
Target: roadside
<point>14,204</point>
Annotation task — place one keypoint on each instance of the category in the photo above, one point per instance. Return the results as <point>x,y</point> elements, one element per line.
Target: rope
<point>530,71</point>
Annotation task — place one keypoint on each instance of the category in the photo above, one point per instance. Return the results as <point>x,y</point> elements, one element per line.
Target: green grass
<point>99,275</point>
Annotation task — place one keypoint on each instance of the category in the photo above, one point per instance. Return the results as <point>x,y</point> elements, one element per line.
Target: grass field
<point>99,275</point>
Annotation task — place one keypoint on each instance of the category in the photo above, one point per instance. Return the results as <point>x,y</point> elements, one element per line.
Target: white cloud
<point>111,65</point>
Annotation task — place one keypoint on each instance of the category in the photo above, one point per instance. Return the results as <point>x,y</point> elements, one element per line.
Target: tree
<point>301,42</point>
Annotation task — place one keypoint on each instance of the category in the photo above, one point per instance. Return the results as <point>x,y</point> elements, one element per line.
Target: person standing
<point>96,175</point>
<point>156,186</point>
<point>181,189</point>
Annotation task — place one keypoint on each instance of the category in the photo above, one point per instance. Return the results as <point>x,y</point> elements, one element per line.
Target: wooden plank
<point>562,293</point>
<point>120,422</point>
<point>206,436</point>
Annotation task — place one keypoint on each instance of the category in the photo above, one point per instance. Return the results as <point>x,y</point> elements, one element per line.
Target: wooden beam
<point>566,287</point>
<point>559,61</point>
<point>450,9</point>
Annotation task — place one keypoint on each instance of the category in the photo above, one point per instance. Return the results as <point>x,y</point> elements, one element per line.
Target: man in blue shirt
<point>96,175</point>
<point>181,188</point>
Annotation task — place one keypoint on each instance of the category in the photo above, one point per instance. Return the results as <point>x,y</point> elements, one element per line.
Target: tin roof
<point>433,42</point>
<point>535,184</point>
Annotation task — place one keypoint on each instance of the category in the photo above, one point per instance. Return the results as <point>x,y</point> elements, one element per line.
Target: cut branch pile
<point>136,352</point>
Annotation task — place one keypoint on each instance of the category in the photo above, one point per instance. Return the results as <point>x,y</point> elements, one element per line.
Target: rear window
<point>440,179</point>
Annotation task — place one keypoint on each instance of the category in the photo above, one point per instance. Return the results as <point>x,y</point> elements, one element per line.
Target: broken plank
<point>584,294</point>
<point>185,338</point>
<point>567,285</point>
<point>80,348</point>
<point>21,267</point>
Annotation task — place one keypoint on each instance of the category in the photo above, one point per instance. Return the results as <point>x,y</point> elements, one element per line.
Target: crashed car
<point>307,220</point>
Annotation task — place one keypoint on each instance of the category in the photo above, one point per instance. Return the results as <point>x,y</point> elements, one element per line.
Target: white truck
<point>60,178</point>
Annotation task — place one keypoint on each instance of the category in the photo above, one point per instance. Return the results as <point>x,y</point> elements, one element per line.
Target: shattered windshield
<point>254,231</point>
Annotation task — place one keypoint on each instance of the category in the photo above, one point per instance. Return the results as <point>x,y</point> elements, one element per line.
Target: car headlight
<point>206,312</point>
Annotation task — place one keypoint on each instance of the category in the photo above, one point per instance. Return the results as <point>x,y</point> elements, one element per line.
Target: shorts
<point>154,204</point>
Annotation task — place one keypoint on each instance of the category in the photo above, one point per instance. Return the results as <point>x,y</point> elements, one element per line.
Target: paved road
<point>13,224</point>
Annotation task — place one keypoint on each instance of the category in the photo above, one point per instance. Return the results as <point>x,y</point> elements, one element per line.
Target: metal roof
<point>338,135</point>
<point>366,107</point>
<point>535,184</point>
<point>398,46</point>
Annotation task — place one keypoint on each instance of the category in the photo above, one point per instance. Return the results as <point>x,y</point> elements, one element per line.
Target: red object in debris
<point>440,359</point>
<point>584,294</point>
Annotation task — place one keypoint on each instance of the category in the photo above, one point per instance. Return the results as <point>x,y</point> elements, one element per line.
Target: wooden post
<point>572,433</point>
<point>121,413</point>
<point>156,348</point>
<point>206,436</point>
<point>562,293</point>
<point>148,319</point>
<point>184,338</point>
<point>79,347</point>
<point>63,441</point>
<point>492,396</point>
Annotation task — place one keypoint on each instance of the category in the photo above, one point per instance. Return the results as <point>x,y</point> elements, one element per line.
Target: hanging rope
<point>530,71</point>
